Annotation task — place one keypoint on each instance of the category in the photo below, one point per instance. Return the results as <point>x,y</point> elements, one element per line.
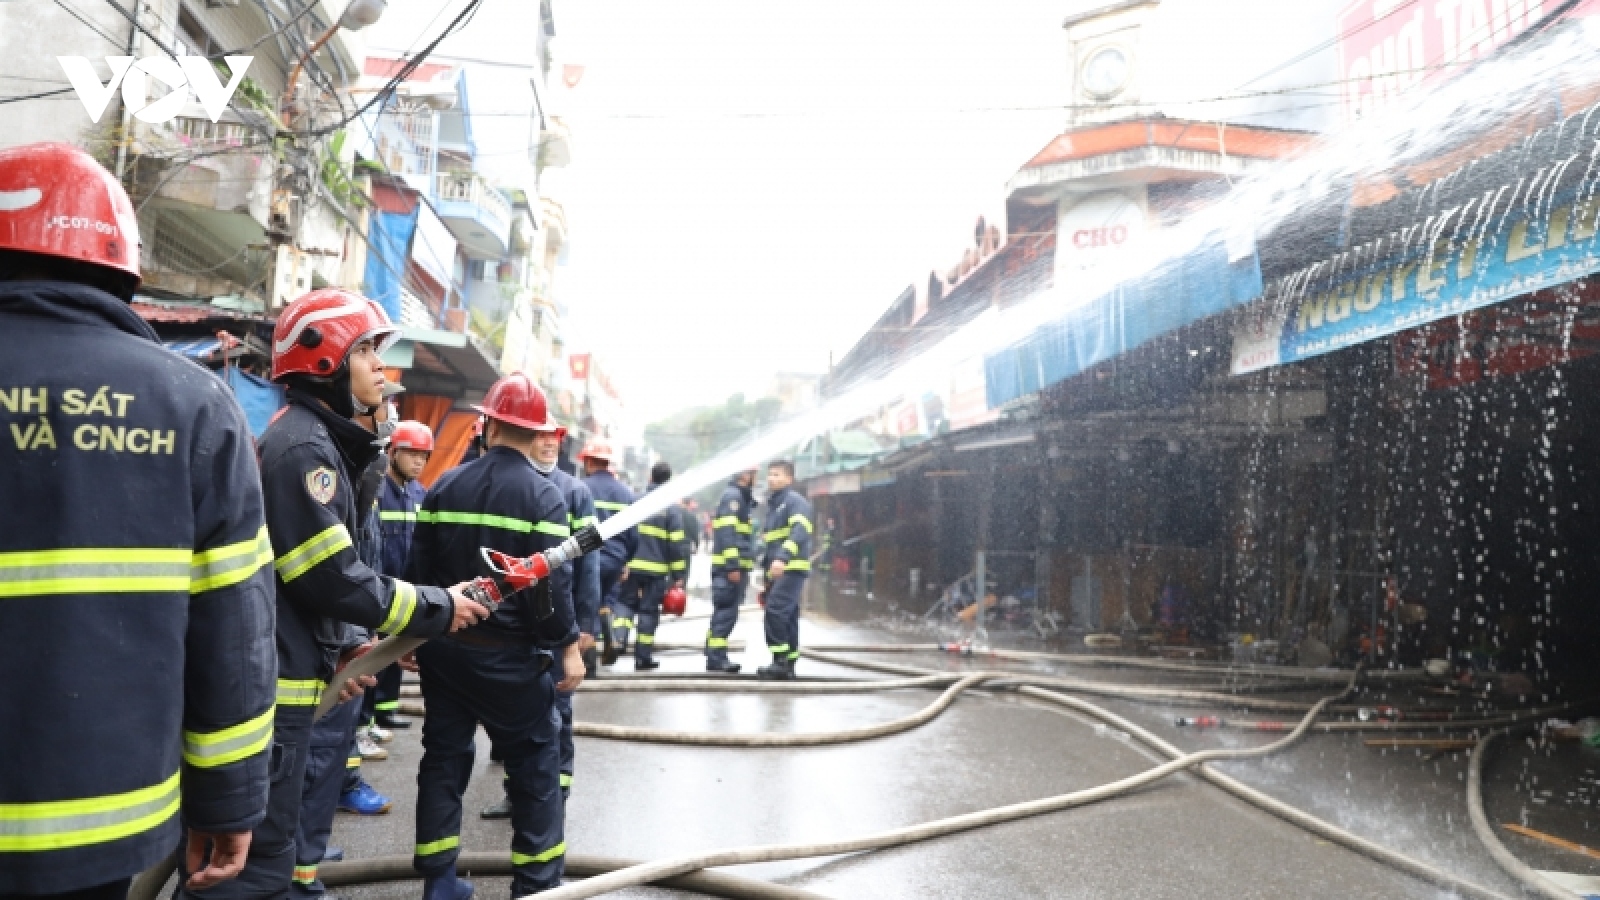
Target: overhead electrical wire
<point>411,65</point>
<point>88,24</point>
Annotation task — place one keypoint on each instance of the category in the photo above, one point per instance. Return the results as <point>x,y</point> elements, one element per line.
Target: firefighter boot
<point>446,887</point>
<point>642,663</point>
<point>782,669</point>
<point>717,661</point>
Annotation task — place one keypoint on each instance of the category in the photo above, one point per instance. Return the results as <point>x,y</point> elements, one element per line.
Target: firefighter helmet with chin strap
<point>56,201</point>
<point>316,333</point>
<point>410,435</point>
<point>518,402</point>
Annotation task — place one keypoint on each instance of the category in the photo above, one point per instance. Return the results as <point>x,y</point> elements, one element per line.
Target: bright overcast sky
<point>753,182</point>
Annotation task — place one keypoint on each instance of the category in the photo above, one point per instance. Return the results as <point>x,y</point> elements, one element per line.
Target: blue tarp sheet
<point>258,398</point>
<point>197,348</point>
<point>1201,284</point>
<point>390,234</point>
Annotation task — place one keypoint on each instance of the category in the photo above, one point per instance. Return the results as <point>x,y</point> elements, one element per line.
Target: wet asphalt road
<point>1178,839</point>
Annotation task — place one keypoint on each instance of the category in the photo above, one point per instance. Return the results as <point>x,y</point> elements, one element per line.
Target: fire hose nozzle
<point>513,573</point>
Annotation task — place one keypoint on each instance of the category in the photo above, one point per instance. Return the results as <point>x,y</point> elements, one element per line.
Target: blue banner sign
<point>1459,260</point>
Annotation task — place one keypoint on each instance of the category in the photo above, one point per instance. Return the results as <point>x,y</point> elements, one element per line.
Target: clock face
<point>1106,72</point>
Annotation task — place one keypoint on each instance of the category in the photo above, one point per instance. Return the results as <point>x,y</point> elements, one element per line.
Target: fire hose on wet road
<point>507,575</point>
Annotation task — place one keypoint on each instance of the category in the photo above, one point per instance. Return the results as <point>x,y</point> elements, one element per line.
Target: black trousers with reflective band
<point>641,601</point>
<point>116,890</point>
<point>328,751</point>
<point>270,866</point>
<point>509,691</point>
<point>725,599</point>
<point>783,615</point>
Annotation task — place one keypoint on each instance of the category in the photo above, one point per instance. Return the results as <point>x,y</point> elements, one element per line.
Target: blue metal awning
<point>197,348</point>
<point>1210,279</point>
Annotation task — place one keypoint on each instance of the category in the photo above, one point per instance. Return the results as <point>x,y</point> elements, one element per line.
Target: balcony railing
<point>479,215</point>
<point>470,188</point>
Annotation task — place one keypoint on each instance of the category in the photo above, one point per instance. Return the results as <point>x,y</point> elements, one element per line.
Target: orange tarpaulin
<point>452,431</point>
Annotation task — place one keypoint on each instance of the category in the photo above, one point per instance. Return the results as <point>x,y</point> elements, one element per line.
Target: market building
<point>1358,428</point>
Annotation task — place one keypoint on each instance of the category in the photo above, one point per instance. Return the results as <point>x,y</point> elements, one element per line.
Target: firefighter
<point>585,574</point>
<point>497,675</point>
<point>325,352</point>
<point>660,562</point>
<point>410,448</point>
<point>788,560</point>
<point>731,564</point>
<point>339,743</point>
<point>611,496</point>
<point>135,563</point>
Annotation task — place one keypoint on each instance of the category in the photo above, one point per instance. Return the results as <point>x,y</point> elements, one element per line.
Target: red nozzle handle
<point>514,573</point>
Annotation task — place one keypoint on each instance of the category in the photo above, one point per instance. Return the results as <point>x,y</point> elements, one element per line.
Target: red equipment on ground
<point>675,601</point>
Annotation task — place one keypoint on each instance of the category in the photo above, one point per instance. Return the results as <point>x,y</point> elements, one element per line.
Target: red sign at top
<point>579,364</point>
<point>1391,46</point>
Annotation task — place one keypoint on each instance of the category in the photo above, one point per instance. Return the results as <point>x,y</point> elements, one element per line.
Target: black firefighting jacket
<point>500,501</point>
<point>611,496</point>
<point>397,511</point>
<point>663,544</point>
<point>730,547</point>
<point>310,460</point>
<point>788,531</point>
<point>585,571</point>
<point>135,596</point>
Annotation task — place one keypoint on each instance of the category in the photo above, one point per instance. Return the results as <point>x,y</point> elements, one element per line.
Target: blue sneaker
<point>364,801</point>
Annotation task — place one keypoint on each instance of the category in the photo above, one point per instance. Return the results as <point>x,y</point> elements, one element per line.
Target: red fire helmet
<point>410,435</point>
<point>675,601</point>
<point>317,331</point>
<point>517,401</point>
<point>55,200</point>
<point>598,448</point>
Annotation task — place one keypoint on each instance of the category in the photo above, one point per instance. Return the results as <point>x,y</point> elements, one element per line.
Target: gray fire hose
<point>714,884</point>
<point>1135,662</point>
<point>1278,808</point>
<point>655,871</point>
<point>400,868</point>
<point>1288,813</point>
<point>1516,868</point>
<point>779,739</point>
<point>389,650</point>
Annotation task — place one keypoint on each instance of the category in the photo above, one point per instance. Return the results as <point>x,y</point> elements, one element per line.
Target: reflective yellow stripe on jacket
<point>645,565</point>
<point>94,570</point>
<point>396,515</point>
<point>300,693</point>
<point>521,526</point>
<point>226,566</point>
<point>319,547</point>
<point>610,505</point>
<point>403,604</point>
<point>207,750</point>
<point>127,570</point>
<point>59,824</point>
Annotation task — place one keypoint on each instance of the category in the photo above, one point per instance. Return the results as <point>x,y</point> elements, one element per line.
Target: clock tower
<point>1105,70</point>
